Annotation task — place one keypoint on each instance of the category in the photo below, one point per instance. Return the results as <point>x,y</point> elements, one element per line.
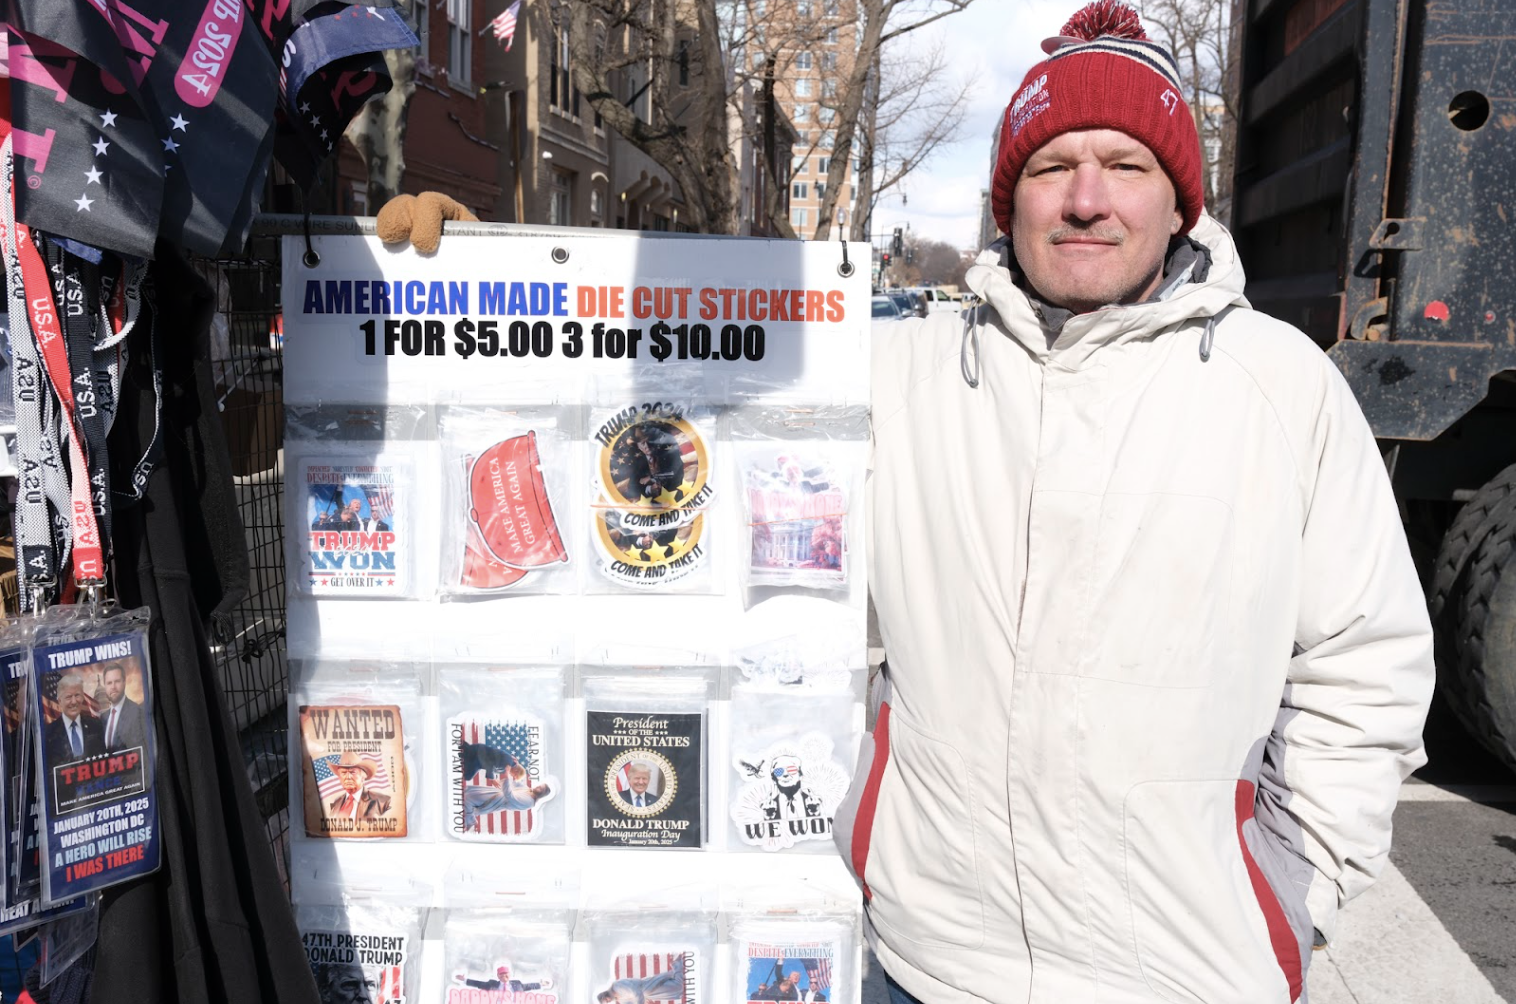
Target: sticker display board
<point>575,553</point>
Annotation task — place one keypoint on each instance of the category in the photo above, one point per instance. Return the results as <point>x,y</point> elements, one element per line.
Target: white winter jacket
<point>1158,658</point>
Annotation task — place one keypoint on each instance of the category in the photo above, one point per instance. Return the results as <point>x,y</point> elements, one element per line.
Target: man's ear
<point>1176,222</point>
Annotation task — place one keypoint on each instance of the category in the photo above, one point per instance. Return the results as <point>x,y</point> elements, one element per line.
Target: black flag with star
<point>162,113</point>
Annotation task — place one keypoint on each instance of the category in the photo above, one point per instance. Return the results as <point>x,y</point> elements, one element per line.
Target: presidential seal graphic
<point>641,782</point>
<point>653,457</point>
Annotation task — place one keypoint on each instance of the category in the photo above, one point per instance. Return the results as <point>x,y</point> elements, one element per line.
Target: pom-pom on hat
<point>1102,72</point>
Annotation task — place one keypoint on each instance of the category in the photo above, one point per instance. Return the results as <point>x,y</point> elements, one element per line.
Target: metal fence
<point>247,356</point>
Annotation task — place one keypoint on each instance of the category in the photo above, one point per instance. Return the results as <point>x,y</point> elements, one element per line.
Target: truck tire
<point>1473,608</point>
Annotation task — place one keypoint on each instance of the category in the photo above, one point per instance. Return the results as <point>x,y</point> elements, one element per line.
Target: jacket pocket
<point>1162,589</point>
<point>911,840</point>
<point>1196,922</point>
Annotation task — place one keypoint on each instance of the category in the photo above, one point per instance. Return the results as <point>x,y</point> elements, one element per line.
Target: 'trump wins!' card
<point>646,780</point>
<point>93,728</point>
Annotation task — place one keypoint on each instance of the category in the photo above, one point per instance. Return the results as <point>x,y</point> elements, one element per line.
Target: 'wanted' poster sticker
<point>358,543</point>
<point>357,967</point>
<point>645,779</point>
<point>355,776</point>
<point>652,456</point>
<point>497,779</point>
<point>511,527</point>
<point>645,549</point>
<point>791,793</point>
<point>647,975</point>
<point>800,971</point>
<point>503,988</point>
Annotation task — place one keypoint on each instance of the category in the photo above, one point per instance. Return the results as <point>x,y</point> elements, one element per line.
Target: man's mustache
<point>1060,234</point>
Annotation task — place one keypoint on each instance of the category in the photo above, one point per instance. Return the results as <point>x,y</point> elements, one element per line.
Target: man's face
<point>639,779</point>
<point>351,778</point>
<point>354,506</point>
<point>1092,215</point>
<point>351,988</point>
<point>115,683</point>
<point>71,700</point>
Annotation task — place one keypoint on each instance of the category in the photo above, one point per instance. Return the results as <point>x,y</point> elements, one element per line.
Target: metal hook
<point>40,589</point>
<point>846,268</point>
<point>310,259</point>
<point>560,255</point>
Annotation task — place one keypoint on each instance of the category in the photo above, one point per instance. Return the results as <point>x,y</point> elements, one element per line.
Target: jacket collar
<point>1055,336</point>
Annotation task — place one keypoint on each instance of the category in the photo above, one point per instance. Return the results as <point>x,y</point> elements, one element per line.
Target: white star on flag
<point>323,135</point>
<point>305,106</point>
<point>169,146</point>
<point>92,176</point>
<point>180,122</point>
<point>84,204</point>
<point>107,118</point>
<point>101,146</point>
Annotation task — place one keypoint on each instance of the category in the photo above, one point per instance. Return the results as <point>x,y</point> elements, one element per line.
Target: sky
<point>992,44</point>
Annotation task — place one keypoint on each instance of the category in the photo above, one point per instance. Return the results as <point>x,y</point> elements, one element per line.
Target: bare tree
<point>916,108</point>
<point>377,132</point>
<point>1199,34</point>
<point>879,23</point>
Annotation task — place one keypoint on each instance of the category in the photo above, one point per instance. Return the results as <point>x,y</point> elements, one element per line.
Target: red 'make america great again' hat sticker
<point>510,516</point>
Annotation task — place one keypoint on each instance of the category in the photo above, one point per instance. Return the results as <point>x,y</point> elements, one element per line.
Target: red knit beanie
<point>1102,72</point>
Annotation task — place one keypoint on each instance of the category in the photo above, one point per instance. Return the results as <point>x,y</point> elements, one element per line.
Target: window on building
<point>560,203</point>
<point>829,88</point>
<point>797,218</point>
<point>798,167</point>
<point>833,8</point>
<point>803,88</point>
<point>799,190</point>
<point>424,36</point>
<point>828,139</point>
<point>683,61</point>
<point>597,204</point>
<point>828,60</point>
<point>802,60</point>
<point>826,115</point>
<point>802,113</point>
<point>820,191</point>
<point>831,36</point>
<point>460,40</point>
<point>823,165</point>
<point>802,8</point>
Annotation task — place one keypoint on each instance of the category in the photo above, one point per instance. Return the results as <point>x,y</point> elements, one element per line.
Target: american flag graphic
<point>390,987</point>
<point>329,787</point>
<point>641,965</point>
<point>819,972</point>
<point>513,738</point>
<point>381,502</point>
<point>504,26</point>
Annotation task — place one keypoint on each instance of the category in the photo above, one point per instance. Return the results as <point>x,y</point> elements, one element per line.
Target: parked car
<point>909,305</point>
<point>886,309</point>
<point>934,300</point>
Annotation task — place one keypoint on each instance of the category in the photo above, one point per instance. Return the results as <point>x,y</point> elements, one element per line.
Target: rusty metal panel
<point>1414,390</point>
<point>1460,285</point>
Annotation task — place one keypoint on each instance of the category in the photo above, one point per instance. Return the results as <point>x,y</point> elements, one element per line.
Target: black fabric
<point>214,924</point>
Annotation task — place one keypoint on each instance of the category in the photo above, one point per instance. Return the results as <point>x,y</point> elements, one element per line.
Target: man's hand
<point>419,218</point>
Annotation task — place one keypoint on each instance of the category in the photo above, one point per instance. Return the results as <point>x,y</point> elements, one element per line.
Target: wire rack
<point>247,358</point>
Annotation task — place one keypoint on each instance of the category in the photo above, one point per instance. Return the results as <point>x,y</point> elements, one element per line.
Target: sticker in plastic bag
<point>355,774</point>
<point>789,793</point>
<point>498,778</point>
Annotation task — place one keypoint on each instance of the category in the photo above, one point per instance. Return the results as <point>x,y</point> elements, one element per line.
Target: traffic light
<point>884,260</point>
<point>899,241</point>
<point>910,256</point>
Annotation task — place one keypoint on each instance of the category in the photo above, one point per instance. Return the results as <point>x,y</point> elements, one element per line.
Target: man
<point>343,983</point>
<point>1157,657</point>
<point>665,986</point>
<point>356,801</point>
<point>638,775</point>
<point>791,799</point>
<point>787,989</point>
<point>509,792</point>
<point>503,981</point>
<point>657,465</point>
<point>125,722</point>
<point>74,734</point>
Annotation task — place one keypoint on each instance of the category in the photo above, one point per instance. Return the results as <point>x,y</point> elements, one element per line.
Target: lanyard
<point>38,464</point>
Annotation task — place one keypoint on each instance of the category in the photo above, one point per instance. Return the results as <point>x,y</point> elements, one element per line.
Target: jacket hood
<point>993,279</point>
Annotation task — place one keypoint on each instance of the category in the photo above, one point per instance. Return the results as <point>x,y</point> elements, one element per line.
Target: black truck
<point>1374,207</point>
